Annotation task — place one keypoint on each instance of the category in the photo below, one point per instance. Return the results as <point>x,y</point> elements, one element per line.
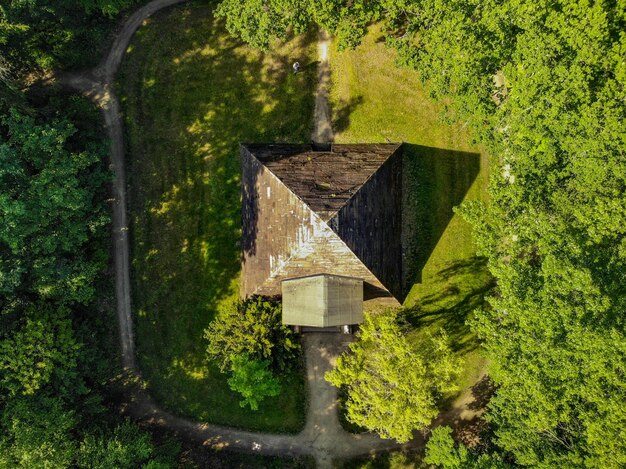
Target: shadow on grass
<point>435,181</point>
<point>341,113</point>
<point>190,94</point>
<point>466,284</point>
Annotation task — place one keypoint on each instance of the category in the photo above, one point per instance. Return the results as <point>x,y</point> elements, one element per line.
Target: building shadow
<point>435,180</point>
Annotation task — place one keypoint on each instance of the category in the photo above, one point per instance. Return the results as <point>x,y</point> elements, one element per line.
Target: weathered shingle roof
<point>307,212</point>
<point>324,180</point>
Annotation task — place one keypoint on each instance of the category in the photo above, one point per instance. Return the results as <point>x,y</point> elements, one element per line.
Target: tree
<point>42,350</point>
<point>126,446</point>
<point>47,211</point>
<point>252,327</point>
<point>260,22</point>
<point>44,34</point>
<point>37,433</point>
<point>392,384</point>
<point>252,380</point>
<point>442,452</point>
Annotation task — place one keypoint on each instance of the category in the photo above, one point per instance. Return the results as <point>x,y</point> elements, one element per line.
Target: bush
<point>253,328</point>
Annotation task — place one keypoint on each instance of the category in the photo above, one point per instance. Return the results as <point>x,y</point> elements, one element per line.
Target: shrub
<point>253,328</point>
<point>252,380</point>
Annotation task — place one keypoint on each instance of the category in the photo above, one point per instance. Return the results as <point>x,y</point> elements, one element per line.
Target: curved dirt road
<point>322,437</point>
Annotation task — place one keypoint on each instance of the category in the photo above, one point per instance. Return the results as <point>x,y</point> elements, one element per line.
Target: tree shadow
<point>311,66</point>
<point>482,392</point>
<point>342,111</point>
<point>467,284</point>
<point>435,180</point>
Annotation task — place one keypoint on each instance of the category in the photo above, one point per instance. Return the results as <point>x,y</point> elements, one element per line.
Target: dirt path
<point>322,130</point>
<point>322,437</point>
<point>98,85</point>
<point>323,433</point>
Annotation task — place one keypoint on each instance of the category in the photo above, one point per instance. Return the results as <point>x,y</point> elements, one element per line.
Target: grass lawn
<point>375,101</point>
<point>190,94</point>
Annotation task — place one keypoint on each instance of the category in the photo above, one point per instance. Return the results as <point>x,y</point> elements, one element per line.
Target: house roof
<point>307,211</point>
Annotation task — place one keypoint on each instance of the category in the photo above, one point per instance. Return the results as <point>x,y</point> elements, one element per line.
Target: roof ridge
<point>325,226</point>
<point>335,212</point>
<point>398,145</point>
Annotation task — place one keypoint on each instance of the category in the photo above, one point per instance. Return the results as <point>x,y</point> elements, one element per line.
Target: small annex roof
<point>322,300</point>
<point>308,210</point>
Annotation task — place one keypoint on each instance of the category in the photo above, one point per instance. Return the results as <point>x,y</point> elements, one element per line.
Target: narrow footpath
<point>322,129</point>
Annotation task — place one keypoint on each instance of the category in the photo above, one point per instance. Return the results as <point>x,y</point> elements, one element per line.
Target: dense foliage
<point>48,213</point>
<point>393,385</point>
<point>252,327</point>
<point>543,85</point>
<point>252,380</point>
<point>54,334</point>
<point>443,452</point>
<point>44,34</point>
<point>248,340</point>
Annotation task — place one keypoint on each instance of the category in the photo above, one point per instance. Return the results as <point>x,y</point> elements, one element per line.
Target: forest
<point>541,84</point>
<point>58,358</point>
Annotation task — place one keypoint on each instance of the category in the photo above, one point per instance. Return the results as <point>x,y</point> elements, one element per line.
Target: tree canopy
<point>252,380</point>
<point>47,210</point>
<point>251,327</point>
<point>392,384</point>
<point>40,35</point>
<point>55,339</point>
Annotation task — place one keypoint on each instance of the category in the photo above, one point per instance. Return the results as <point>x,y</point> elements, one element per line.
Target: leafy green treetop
<point>47,211</point>
<point>442,452</point>
<point>392,384</point>
<point>252,327</point>
<point>252,380</point>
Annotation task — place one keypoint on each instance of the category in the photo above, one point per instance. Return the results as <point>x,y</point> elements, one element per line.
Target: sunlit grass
<point>190,94</point>
<point>375,101</point>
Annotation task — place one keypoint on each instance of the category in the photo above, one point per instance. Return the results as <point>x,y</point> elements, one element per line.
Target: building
<point>322,300</point>
<point>322,210</point>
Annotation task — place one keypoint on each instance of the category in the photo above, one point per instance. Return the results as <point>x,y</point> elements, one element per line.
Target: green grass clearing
<point>190,93</point>
<point>375,101</point>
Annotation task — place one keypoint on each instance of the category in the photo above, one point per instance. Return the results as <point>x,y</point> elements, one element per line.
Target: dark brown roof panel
<point>324,180</point>
<point>309,210</point>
